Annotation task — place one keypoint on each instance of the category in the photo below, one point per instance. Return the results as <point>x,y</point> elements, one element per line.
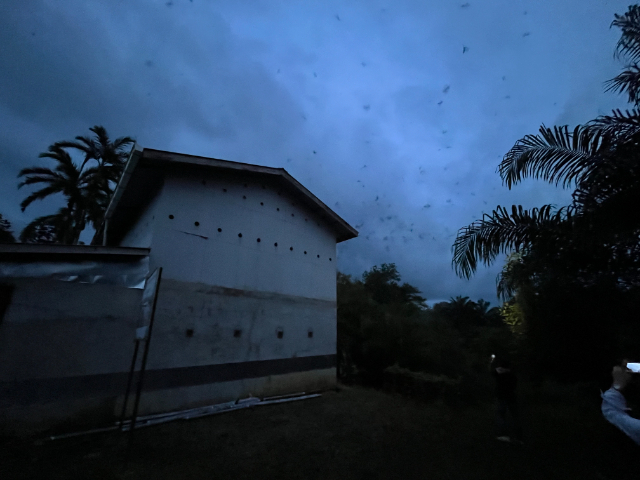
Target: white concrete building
<point>247,301</point>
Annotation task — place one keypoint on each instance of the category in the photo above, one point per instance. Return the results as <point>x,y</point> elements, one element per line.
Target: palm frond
<point>39,195</point>
<point>555,155</point>
<point>619,123</point>
<point>629,23</point>
<point>627,81</point>
<point>497,233</point>
<point>37,171</point>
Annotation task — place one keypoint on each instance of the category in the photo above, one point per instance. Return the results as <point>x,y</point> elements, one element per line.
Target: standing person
<point>508,418</point>
<point>614,403</point>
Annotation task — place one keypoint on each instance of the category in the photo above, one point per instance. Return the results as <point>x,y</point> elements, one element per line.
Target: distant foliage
<point>6,233</point>
<point>385,327</point>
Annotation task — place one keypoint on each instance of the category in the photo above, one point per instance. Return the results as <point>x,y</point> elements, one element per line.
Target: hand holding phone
<point>634,367</point>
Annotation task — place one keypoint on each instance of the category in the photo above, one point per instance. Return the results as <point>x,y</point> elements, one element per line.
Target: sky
<point>394,114</point>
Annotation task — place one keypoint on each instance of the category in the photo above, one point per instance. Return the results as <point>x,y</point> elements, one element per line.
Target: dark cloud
<point>275,85</point>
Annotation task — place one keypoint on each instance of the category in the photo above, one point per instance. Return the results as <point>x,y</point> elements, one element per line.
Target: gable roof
<point>145,169</point>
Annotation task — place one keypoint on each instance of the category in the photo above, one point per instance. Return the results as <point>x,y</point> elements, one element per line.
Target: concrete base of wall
<point>92,412</point>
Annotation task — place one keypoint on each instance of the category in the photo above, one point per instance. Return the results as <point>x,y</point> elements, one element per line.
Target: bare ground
<point>355,433</point>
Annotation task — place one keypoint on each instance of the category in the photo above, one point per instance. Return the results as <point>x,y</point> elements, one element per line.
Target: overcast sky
<point>395,114</point>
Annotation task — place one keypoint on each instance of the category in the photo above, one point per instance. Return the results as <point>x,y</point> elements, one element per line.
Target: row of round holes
<point>240,236</point>
<point>262,203</point>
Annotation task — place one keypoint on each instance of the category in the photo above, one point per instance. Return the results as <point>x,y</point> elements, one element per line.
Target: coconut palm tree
<point>110,157</point>
<point>601,160</point>
<point>66,179</point>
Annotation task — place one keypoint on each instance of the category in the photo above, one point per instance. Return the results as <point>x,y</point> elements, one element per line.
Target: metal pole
<point>129,381</point>
<point>142,369</point>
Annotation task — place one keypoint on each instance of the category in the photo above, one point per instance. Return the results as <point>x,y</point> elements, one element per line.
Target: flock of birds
<point>399,225</point>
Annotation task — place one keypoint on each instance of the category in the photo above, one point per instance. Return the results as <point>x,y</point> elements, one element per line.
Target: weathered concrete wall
<point>57,341</point>
<point>65,350</point>
<point>57,329</point>
<point>226,230</point>
<point>199,324</point>
<point>141,234</point>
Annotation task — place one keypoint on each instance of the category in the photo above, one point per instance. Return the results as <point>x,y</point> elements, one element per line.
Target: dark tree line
<point>572,287</point>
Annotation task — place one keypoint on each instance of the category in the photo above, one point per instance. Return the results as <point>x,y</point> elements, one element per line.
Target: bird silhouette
<point>526,34</point>
<point>338,17</point>
<point>446,89</point>
<point>440,102</point>
<point>465,49</point>
<point>465,5</point>
<point>366,107</point>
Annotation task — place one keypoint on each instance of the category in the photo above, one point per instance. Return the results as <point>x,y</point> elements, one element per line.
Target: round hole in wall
<point>275,244</point>
<point>244,197</point>
<point>189,332</point>
<point>197,224</point>
<point>305,252</point>
<point>305,219</point>
<point>292,215</point>
<point>224,190</point>
<point>277,209</point>
<point>219,229</point>
<point>318,256</point>
<point>171,217</point>
<point>329,259</point>
<point>310,334</point>
<point>261,203</point>
<point>240,235</point>
<point>291,248</point>
<point>280,334</point>
<point>258,240</point>
<point>237,332</point>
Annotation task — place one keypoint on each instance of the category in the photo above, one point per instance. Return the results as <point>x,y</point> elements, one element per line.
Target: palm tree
<point>66,179</point>
<point>602,161</point>
<point>110,156</point>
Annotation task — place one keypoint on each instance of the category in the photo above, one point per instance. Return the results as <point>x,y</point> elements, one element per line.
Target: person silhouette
<point>507,412</point>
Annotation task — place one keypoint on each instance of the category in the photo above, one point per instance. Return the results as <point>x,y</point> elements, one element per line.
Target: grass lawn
<point>355,433</point>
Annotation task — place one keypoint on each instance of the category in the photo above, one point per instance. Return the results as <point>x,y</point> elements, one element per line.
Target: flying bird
<point>366,107</point>
<point>526,34</point>
<point>504,78</point>
<point>338,17</point>
<point>364,64</point>
<point>465,49</point>
<point>446,88</point>
<point>440,102</point>
<point>465,5</point>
